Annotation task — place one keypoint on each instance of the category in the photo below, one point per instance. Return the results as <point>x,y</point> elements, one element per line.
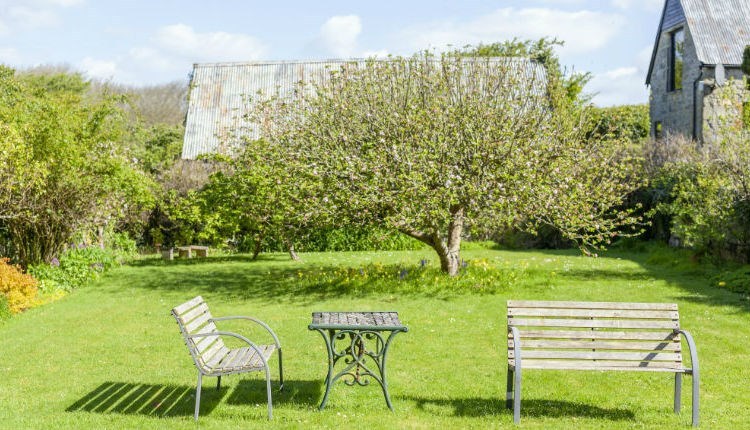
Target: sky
<point>138,42</point>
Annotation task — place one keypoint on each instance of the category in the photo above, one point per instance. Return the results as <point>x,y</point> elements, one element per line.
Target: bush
<point>75,268</point>
<point>19,289</point>
<point>734,280</point>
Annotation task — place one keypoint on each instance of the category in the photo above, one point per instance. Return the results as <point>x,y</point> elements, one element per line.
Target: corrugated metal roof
<point>720,29</point>
<point>218,93</point>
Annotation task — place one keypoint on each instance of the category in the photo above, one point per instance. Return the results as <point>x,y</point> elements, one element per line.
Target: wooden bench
<point>211,355</point>
<point>643,337</point>
<point>187,251</point>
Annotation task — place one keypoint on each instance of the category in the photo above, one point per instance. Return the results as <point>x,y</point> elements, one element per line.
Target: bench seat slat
<point>646,366</point>
<point>593,323</point>
<point>598,355</point>
<point>597,334</point>
<point>590,305</point>
<point>594,313</point>
<point>598,345</point>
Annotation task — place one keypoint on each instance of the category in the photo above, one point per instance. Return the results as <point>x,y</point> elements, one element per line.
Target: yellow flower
<point>722,284</point>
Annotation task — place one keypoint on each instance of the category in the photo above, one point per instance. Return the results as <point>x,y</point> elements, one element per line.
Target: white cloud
<point>24,14</point>
<point>380,53</point>
<point>582,31</point>
<point>339,35</point>
<point>650,5</point>
<point>99,69</point>
<point>182,41</point>
<point>623,85</point>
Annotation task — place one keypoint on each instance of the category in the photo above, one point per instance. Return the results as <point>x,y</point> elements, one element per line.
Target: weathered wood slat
<point>593,323</point>
<point>179,310</point>
<point>594,313</point>
<point>193,313</point>
<point>217,357</point>
<point>598,355</point>
<point>653,366</point>
<point>196,323</point>
<point>591,305</point>
<point>598,345</point>
<point>597,334</point>
<point>207,342</point>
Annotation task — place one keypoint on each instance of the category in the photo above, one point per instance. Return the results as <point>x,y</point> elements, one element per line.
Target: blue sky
<point>157,41</point>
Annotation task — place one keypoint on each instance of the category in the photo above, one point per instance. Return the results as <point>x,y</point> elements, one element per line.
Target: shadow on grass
<point>295,392</point>
<point>146,399</point>
<point>479,407</point>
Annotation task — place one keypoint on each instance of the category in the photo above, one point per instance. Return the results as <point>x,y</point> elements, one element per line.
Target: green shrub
<point>337,239</point>
<point>630,123</point>
<point>19,289</point>
<point>75,268</point>
<point>737,280</point>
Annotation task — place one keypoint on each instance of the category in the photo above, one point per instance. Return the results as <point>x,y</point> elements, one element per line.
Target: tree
<point>542,51</point>
<point>433,146</point>
<point>61,166</point>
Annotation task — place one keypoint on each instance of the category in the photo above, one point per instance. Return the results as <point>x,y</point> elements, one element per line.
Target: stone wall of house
<point>674,109</point>
<point>722,105</point>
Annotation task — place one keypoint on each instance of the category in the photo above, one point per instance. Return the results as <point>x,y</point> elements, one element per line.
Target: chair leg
<point>509,390</point>
<point>281,373</point>
<point>677,392</point>
<point>218,383</point>
<point>198,395</point>
<point>696,399</point>
<point>268,393</point>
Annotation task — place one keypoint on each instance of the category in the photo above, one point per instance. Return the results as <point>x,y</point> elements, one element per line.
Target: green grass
<point>110,355</point>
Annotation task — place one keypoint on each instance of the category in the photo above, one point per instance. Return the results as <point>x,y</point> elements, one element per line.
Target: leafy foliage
<point>17,288</point>
<point>75,268</point>
<point>431,146</point>
<point>61,169</point>
<point>628,123</point>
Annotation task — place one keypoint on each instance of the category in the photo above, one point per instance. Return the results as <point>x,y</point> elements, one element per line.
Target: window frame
<point>674,83</point>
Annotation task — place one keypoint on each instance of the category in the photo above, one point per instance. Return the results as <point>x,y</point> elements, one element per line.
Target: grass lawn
<point>110,355</point>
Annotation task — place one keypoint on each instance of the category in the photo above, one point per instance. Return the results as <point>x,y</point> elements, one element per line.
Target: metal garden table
<point>357,337</point>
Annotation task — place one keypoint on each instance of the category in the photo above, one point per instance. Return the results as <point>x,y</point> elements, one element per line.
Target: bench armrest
<point>235,335</point>
<point>693,352</point>
<point>516,347</point>
<point>255,320</point>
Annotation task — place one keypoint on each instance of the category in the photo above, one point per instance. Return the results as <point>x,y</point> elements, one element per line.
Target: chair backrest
<point>193,317</point>
<point>596,335</point>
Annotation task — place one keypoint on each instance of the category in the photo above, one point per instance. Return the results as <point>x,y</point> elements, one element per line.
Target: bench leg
<point>198,395</point>
<point>677,392</point>
<point>509,390</point>
<point>517,396</point>
<point>696,399</point>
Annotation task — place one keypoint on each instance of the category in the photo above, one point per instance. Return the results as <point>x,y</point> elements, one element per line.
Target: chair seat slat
<point>590,305</point>
<point>598,345</point>
<point>594,313</point>
<point>593,323</point>
<point>597,334</point>
<point>598,355</point>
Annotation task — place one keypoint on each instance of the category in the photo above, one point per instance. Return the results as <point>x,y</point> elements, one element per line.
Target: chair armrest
<point>255,320</point>
<point>235,335</point>
<point>693,352</point>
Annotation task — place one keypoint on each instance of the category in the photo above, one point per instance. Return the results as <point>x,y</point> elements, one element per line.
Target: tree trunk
<point>448,252</point>
<point>292,252</point>
<point>256,248</point>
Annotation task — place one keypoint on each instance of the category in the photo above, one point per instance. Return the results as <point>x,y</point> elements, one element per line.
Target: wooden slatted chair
<point>211,355</point>
<point>597,336</point>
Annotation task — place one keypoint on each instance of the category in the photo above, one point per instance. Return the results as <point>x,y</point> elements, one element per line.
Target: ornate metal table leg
<point>329,347</point>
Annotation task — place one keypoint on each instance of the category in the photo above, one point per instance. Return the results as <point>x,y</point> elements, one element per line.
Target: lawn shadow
<point>295,392</point>
<point>479,407</point>
<point>146,399</point>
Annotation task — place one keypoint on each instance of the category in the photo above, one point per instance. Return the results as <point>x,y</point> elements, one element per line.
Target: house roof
<point>720,29</point>
<point>219,91</point>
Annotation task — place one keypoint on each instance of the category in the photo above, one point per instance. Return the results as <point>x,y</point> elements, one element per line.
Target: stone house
<point>695,74</point>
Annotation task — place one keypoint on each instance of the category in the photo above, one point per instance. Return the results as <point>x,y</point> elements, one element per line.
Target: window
<point>676,52</point>
<point>657,130</point>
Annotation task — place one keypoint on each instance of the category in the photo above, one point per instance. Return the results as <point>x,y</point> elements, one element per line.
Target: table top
<point>377,321</point>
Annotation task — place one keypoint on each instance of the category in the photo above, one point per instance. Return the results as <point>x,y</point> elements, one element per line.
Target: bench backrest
<point>193,317</point>
<point>595,335</point>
